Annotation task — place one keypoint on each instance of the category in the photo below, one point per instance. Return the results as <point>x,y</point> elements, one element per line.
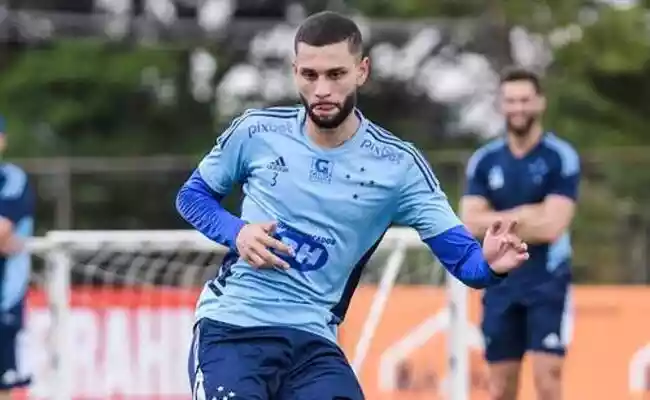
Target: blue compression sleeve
<point>463,257</point>
<point>200,206</point>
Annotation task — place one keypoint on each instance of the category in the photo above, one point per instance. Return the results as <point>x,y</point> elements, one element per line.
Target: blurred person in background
<point>16,225</point>
<point>530,176</point>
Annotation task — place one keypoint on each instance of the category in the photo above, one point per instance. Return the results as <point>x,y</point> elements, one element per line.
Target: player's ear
<point>363,71</point>
<point>294,68</point>
<point>542,103</point>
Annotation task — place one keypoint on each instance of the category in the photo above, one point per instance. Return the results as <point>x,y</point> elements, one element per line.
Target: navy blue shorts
<point>12,374</point>
<point>533,322</point>
<point>267,363</point>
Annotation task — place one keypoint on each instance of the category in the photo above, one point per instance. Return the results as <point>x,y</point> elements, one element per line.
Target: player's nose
<point>516,111</point>
<point>520,107</point>
<point>323,89</point>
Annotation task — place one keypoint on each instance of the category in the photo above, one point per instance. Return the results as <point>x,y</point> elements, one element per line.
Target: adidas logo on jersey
<point>278,165</point>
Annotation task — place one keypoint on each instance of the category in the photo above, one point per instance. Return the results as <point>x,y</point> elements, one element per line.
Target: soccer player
<point>530,176</point>
<point>322,185</point>
<point>16,224</point>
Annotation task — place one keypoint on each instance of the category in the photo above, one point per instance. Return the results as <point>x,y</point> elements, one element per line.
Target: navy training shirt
<point>505,181</point>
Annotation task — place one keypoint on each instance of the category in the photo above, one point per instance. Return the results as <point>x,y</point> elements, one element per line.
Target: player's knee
<point>5,395</point>
<point>504,380</point>
<point>547,372</point>
<point>503,390</point>
<point>548,388</point>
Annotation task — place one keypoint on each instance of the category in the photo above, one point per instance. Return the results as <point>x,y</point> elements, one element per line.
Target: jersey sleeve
<point>565,178</point>
<point>475,177</point>
<point>422,204</point>
<point>227,163</point>
<point>16,198</point>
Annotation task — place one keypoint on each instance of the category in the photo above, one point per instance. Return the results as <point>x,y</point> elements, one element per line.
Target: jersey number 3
<point>274,180</point>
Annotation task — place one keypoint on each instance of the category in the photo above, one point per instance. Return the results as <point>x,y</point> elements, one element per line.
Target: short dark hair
<point>515,74</point>
<point>327,27</point>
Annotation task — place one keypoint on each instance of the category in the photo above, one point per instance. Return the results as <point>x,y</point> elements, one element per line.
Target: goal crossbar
<point>126,240</point>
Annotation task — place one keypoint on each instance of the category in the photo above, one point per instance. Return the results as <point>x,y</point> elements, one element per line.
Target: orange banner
<point>134,343</point>
<point>609,356</point>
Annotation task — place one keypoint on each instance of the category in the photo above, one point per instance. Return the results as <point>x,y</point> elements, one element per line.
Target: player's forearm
<point>201,207</point>
<point>479,222</point>
<point>535,224</point>
<point>463,257</point>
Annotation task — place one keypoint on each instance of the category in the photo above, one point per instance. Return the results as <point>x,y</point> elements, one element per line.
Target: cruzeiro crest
<point>495,178</point>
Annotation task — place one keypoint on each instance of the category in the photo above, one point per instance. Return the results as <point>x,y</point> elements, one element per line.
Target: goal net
<point>110,315</point>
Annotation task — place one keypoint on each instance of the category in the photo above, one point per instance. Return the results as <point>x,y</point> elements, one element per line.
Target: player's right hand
<point>254,243</point>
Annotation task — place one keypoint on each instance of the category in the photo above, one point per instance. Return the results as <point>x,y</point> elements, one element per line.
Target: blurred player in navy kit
<point>530,176</point>
<point>16,224</point>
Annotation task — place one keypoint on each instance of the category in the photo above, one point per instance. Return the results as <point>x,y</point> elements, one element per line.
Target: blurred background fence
<point>611,234</point>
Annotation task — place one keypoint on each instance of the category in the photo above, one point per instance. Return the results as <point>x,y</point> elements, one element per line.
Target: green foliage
<point>86,97</point>
<point>617,43</point>
<point>417,8</point>
<point>598,95</point>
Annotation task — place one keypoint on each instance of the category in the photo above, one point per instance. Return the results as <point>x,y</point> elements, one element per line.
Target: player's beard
<point>524,129</point>
<point>331,121</point>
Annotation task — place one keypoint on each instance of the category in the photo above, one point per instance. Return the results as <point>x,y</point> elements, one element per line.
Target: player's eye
<point>310,75</point>
<point>336,75</point>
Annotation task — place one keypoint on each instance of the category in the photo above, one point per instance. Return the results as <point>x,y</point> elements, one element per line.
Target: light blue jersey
<point>332,206</point>
<point>16,205</point>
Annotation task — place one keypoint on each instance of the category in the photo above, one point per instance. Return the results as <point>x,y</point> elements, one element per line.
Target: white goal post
<point>142,256</point>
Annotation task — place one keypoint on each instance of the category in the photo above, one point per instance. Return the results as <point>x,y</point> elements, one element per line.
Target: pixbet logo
<point>382,152</point>
<point>260,127</point>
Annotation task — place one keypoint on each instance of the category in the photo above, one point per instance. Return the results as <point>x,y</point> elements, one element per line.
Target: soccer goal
<point>110,314</point>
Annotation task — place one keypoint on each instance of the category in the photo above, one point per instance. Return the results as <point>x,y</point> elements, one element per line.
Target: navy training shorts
<point>267,363</point>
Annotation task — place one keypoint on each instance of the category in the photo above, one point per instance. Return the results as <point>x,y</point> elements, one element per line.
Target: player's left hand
<point>502,248</point>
